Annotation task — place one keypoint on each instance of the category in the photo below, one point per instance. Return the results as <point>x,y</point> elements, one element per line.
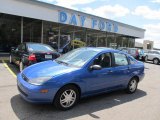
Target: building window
<point>10,32</point>
<point>32,30</point>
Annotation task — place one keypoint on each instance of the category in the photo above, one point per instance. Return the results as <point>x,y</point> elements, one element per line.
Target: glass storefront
<point>10,31</point>
<point>102,40</point>
<point>14,29</point>
<point>31,30</point>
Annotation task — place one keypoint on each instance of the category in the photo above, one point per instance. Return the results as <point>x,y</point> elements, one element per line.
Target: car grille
<point>22,91</point>
<point>25,78</point>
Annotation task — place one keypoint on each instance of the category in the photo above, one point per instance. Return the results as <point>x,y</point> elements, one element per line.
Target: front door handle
<point>110,71</point>
<point>107,72</point>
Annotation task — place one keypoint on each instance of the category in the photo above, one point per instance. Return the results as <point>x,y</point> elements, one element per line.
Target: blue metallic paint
<point>89,82</point>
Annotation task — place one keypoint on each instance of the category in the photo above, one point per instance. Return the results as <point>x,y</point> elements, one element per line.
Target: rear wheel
<point>66,97</point>
<point>132,86</point>
<point>156,61</point>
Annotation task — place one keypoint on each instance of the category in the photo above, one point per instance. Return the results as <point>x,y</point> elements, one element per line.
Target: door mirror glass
<point>95,67</point>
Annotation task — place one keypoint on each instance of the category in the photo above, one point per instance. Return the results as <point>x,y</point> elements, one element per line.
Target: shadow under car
<point>86,106</point>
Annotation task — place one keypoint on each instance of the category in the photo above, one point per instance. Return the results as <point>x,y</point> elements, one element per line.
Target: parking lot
<point>143,105</point>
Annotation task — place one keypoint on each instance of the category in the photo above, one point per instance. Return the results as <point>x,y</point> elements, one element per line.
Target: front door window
<point>104,60</point>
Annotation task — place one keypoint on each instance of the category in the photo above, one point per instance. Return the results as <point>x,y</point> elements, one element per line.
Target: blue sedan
<point>79,73</point>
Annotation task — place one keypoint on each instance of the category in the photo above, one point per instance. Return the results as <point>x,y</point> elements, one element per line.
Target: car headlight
<point>39,80</point>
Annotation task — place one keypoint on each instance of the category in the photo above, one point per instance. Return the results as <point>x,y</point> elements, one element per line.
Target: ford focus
<point>77,74</point>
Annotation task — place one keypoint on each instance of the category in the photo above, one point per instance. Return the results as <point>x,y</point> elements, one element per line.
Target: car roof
<point>153,50</point>
<point>132,48</point>
<point>32,43</point>
<point>101,49</point>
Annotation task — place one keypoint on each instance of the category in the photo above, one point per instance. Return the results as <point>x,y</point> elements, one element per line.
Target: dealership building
<point>35,21</point>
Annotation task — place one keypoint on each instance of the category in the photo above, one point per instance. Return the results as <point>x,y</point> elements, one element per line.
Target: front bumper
<point>32,93</point>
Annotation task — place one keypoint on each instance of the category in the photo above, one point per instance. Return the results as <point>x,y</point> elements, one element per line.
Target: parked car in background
<point>79,73</point>
<point>135,52</point>
<point>141,54</point>
<point>124,49</point>
<point>29,53</point>
<point>153,55</point>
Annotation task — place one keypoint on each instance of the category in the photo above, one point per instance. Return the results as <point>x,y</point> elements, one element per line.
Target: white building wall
<point>43,11</point>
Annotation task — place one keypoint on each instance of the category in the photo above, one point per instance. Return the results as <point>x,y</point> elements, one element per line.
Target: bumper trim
<point>22,91</point>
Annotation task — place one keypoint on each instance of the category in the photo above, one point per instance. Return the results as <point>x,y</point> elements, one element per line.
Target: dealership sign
<point>78,20</point>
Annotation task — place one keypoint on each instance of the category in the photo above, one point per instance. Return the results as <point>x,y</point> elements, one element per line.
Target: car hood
<point>47,69</point>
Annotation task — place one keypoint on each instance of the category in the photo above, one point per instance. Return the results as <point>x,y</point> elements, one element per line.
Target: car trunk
<point>41,56</point>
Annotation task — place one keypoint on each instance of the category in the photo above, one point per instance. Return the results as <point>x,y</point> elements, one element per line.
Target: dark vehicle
<point>29,53</point>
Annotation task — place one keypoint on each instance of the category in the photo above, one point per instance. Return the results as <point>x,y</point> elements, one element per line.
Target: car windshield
<point>40,47</point>
<point>77,57</point>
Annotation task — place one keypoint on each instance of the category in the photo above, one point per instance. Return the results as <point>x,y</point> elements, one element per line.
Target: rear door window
<point>120,59</point>
<point>131,60</point>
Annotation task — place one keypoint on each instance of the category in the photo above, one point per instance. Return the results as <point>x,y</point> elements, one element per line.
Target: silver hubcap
<point>68,98</point>
<point>21,66</point>
<point>133,85</point>
<point>10,58</point>
<point>155,61</point>
<point>146,58</point>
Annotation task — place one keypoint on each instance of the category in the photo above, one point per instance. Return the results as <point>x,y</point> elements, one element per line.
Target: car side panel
<point>137,70</point>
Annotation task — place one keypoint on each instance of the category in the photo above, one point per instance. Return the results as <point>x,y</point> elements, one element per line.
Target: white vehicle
<point>153,56</point>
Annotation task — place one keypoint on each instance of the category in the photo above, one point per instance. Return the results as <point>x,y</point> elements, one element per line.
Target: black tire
<point>60,94</point>
<point>156,61</point>
<point>131,89</point>
<point>143,58</point>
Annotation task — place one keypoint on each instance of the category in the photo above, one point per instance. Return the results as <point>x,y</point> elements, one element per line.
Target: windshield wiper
<point>61,62</point>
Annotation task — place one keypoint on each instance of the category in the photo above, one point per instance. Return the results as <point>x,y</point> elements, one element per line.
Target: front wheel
<point>132,86</point>
<point>66,97</point>
<point>156,61</point>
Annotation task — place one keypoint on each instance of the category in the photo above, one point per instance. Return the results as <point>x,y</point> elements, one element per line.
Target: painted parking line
<point>6,66</point>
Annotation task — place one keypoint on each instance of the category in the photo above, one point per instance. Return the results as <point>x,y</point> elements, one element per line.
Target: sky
<point>140,13</point>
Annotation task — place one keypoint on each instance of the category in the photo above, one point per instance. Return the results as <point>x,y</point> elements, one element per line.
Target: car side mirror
<point>95,67</point>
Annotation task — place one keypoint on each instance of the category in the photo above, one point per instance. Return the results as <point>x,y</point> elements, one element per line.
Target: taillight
<point>32,57</point>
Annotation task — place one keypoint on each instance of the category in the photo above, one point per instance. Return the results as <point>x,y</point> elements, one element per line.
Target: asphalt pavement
<point>142,105</point>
